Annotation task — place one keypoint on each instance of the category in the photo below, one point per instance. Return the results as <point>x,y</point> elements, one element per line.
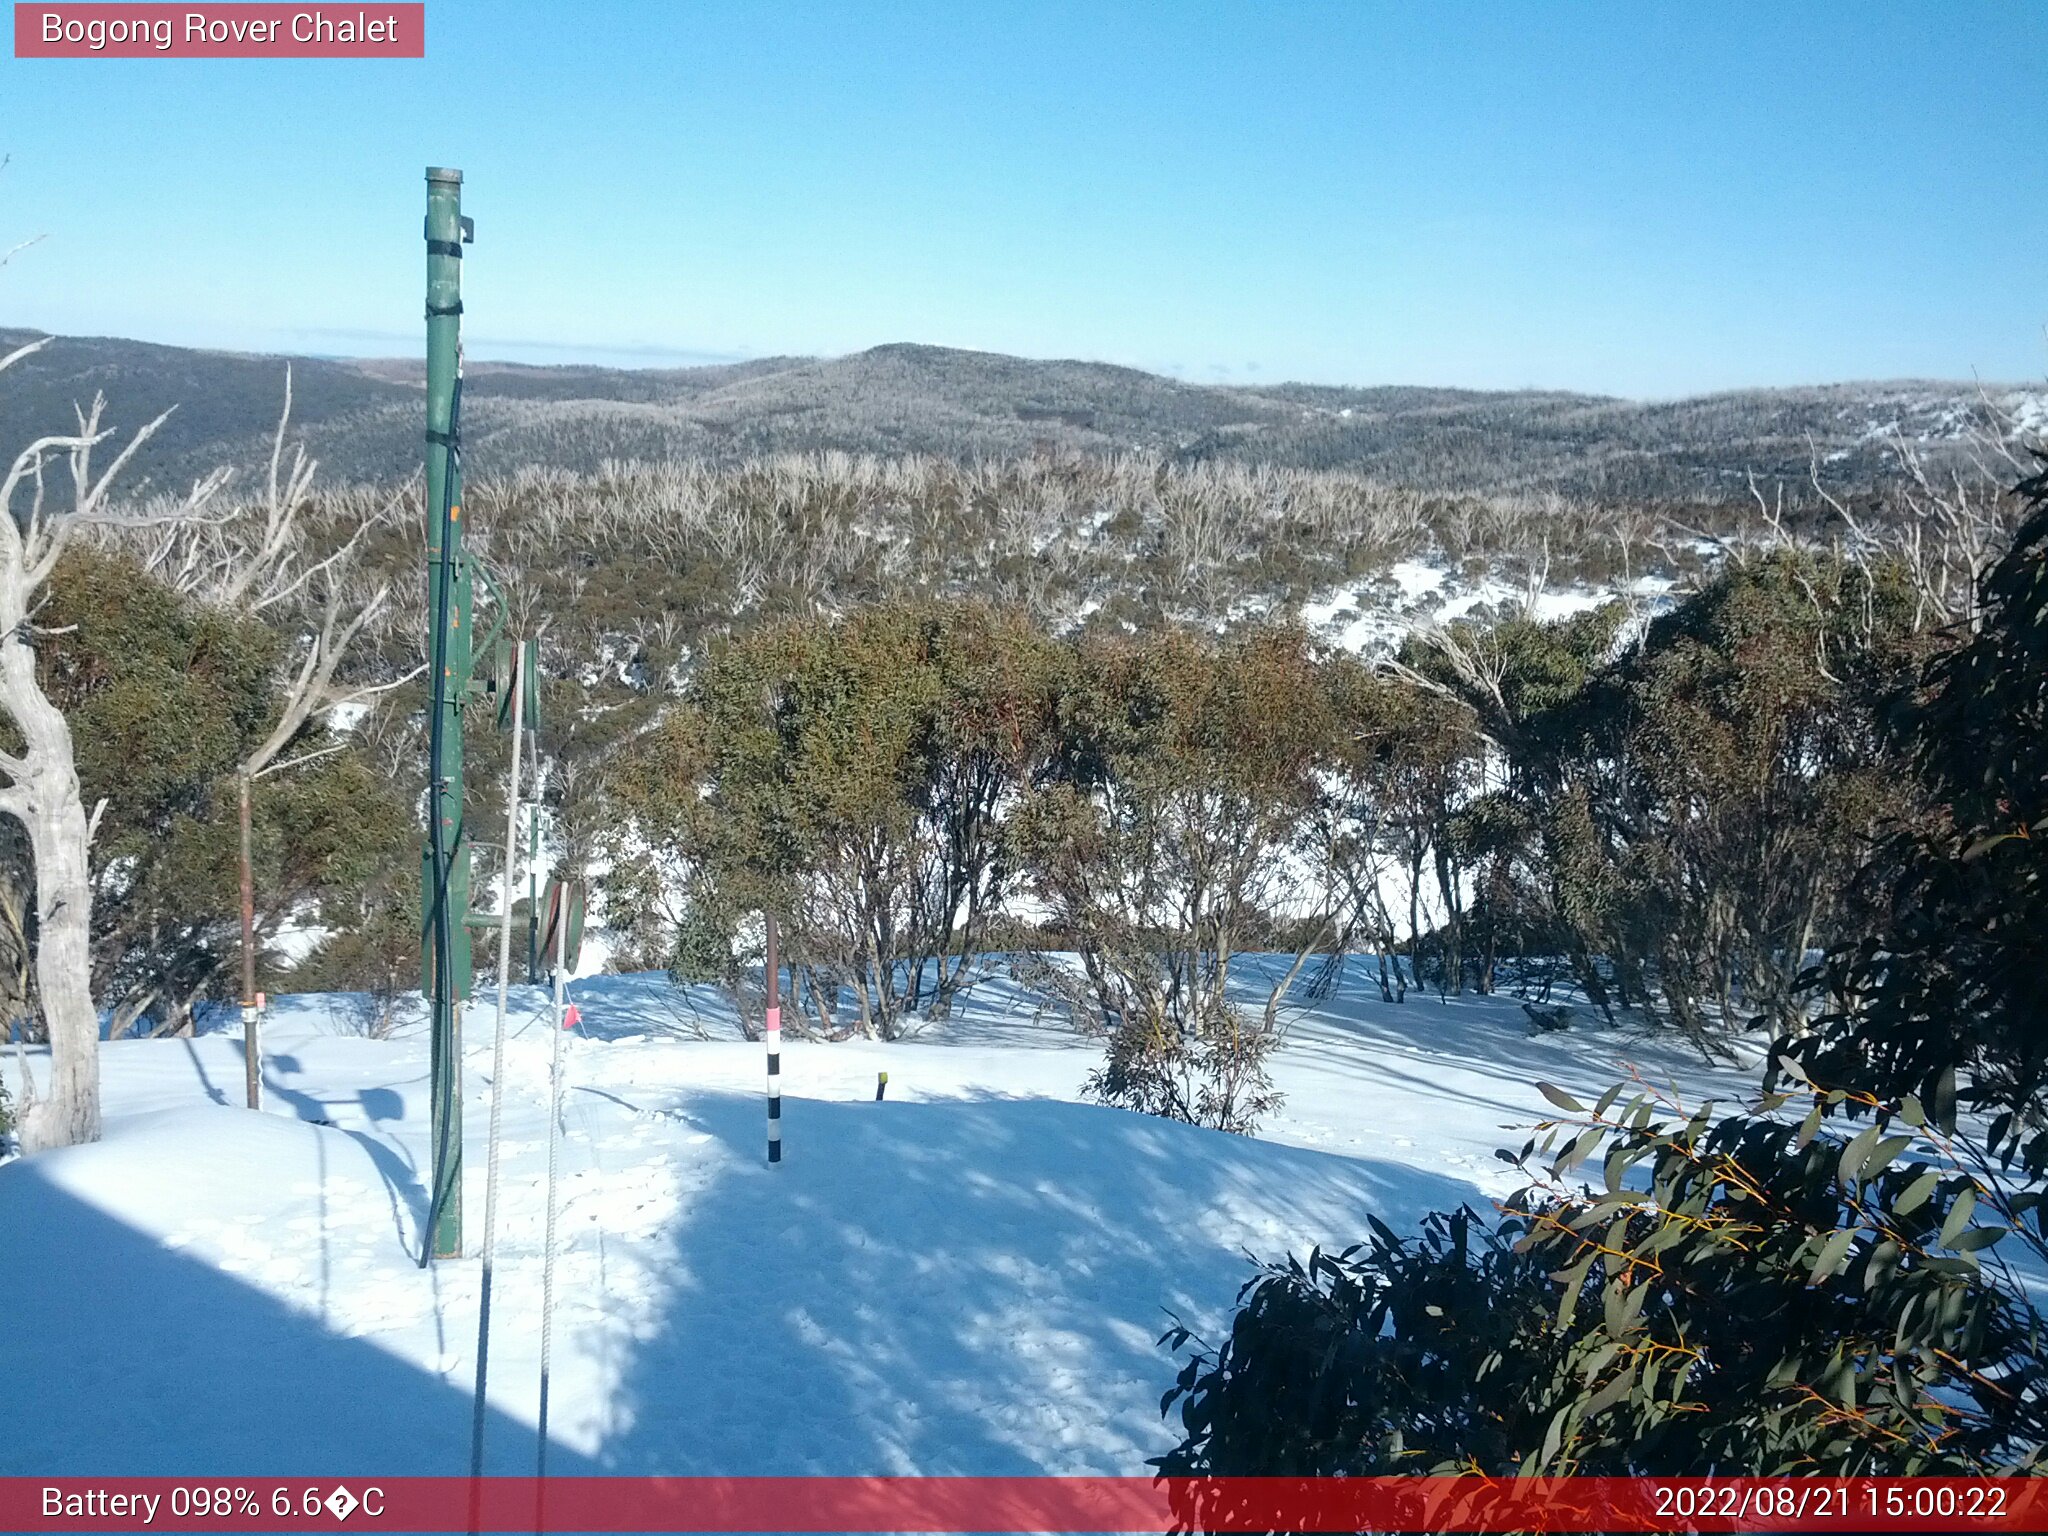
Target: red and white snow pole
<point>774,1037</point>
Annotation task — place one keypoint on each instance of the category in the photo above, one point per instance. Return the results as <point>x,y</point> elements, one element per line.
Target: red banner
<point>1025,1504</point>
<point>151,31</point>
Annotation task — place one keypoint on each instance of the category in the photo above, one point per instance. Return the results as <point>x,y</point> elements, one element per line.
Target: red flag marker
<point>571,1017</point>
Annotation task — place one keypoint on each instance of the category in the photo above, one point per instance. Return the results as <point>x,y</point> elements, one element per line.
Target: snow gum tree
<point>1822,1282</point>
<point>1159,844</point>
<point>856,777</point>
<point>1737,774</point>
<point>38,764</point>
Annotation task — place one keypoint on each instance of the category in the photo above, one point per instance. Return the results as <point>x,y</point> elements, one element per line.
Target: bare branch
<point>23,350</point>
<point>289,763</point>
<point>91,492</point>
<point>370,690</point>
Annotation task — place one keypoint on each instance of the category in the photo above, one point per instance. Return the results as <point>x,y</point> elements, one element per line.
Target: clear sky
<point>1634,198</point>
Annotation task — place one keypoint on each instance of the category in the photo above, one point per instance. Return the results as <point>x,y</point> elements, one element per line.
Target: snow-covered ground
<point>969,1277</point>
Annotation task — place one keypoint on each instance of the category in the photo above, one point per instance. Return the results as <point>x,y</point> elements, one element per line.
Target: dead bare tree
<point>1958,519</point>
<point>19,246</point>
<point>255,559</point>
<point>1942,526</point>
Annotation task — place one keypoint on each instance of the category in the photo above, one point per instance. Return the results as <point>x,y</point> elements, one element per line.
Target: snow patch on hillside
<point>1370,616</point>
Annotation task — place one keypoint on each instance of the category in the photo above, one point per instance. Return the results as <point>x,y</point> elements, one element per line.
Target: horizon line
<point>688,360</point>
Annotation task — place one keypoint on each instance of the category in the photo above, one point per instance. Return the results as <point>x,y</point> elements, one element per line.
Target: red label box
<point>1137,1505</point>
<point>367,29</point>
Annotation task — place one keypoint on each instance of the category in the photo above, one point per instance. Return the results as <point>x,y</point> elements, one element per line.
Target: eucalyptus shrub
<point>1815,1284</point>
<point>1739,1294</point>
<point>1953,979</point>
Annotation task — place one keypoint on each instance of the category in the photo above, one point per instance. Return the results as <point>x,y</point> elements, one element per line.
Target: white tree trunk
<point>45,798</point>
<point>41,775</point>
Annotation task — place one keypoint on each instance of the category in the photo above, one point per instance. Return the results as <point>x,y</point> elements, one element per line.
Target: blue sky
<point>1632,198</point>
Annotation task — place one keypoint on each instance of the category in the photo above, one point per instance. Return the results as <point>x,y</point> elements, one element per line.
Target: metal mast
<point>450,596</point>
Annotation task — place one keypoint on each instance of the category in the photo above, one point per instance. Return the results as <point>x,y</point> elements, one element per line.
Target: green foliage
<point>854,777</point>
<point>1743,1291</point>
<point>374,945</point>
<point>1404,763</point>
<point>1517,674</point>
<point>1946,998</point>
<point>704,949</point>
<point>1738,1294</point>
<point>1697,808</point>
<point>165,697</point>
<point>337,835</point>
<point>1202,1062</point>
<point>1395,1355</point>
<point>1186,769</point>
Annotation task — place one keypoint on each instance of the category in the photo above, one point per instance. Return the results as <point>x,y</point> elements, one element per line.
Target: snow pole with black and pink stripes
<point>774,1035</point>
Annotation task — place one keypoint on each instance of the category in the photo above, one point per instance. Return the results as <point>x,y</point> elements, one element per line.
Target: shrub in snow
<point>1212,1073</point>
<point>1159,845</point>
<point>1741,1295</point>
<point>855,776</point>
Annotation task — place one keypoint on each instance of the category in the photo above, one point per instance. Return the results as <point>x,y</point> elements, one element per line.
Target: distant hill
<point>362,418</point>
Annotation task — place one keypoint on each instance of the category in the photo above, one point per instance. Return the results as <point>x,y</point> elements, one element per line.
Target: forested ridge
<point>360,418</point>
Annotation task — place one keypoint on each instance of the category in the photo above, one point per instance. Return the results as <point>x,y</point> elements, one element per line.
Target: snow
<point>348,714</point>
<point>299,935</point>
<point>1415,578</point>
<point>2029,412</point>
<point>969,1277</point>
<point>1371,616</point>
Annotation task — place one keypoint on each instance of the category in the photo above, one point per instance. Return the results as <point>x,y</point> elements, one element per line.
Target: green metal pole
<point>449,598</point>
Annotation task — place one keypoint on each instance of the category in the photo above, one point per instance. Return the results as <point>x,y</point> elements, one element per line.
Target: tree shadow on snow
<point>960,1287</point>
<point>1481,1035</point>
<point>134,1360</point>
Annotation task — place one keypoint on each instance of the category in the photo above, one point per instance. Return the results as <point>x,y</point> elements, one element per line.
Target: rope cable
<point>547,1266</point>
<point>483,1315</point>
